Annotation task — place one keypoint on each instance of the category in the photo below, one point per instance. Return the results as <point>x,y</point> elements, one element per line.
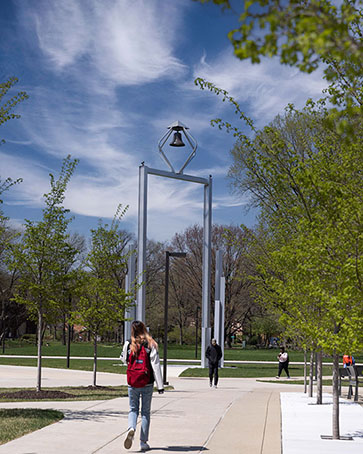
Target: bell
<point>177,141</point>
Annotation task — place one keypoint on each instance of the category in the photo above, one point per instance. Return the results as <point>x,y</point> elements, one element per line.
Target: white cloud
<point>35,180</point>
<point>62,31</point>
<point>83,107</point>
<point>266,88</point>
<point>171,204</point>
<point>230,201</point>
<point>125,42</point>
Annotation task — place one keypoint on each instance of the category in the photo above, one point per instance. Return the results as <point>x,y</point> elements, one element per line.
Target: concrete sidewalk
<point>240,416</point>
<point>26,377</point>
<point>191,418</point>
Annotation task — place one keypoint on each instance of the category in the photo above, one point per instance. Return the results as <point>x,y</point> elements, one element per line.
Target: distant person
<point>214,354</point>
<point>143,367</point>
<point>348,360</point>
<point>283,358</point>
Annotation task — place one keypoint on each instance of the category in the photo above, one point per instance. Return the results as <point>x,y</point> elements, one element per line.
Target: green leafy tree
<point>101,295</point>
<point>305,34</point>
<point>307,183</point>
<point>40,257</point>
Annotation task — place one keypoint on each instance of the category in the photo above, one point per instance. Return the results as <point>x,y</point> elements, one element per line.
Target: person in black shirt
<point>214,354</point>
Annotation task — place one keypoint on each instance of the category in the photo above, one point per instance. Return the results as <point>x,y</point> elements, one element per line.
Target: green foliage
<point>267,326</point>
<point>305,35</point>
<point>43,251</point>
<point>203,84</point>
<point>101,294</point>
<point>308,250</point>
<point>7,107</point>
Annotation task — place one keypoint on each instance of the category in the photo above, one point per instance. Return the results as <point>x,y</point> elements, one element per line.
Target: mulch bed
<point>36,395</point>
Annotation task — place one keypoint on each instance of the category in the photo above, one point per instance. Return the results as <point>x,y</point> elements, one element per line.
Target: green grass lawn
<point>52,348</point>
<point>113,350</point>
<point>249,371</point>
<point>80,364</point>
<point>16,422</point>
<point>240,370</point>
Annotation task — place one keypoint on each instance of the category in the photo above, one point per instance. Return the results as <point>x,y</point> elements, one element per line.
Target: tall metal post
<point>217,297</point>
<point>222,296</point>
<point>207,233</point>
<point>130,312</point>
<point>141,252</point>
<point>218,303</point>
<point>166,310</point>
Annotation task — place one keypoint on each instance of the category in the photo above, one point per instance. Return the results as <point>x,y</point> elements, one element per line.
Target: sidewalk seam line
<point>265,423</point>
<point>216,425</point>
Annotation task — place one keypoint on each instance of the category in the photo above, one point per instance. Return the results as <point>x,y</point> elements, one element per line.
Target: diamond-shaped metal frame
<point>178,126</point>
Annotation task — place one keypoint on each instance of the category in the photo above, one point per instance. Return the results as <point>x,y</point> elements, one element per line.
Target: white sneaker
<point>144,446</point>
<point>214,386</point>
<point>129,438</point>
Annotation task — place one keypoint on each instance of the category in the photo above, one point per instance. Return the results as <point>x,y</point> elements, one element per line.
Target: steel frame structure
<point>144,172</point>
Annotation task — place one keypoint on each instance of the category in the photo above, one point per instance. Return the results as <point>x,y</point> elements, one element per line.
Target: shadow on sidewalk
<point>357,434</point>
<point>180,448</point>
<point>96,416</point>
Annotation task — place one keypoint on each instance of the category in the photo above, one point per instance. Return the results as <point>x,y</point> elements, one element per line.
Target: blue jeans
<point>146,394</point>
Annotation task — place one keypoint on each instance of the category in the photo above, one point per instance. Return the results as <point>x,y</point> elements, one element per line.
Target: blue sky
<point>105,79</point>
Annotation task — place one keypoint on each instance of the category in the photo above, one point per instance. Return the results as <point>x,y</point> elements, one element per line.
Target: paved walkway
<point>241,416</point>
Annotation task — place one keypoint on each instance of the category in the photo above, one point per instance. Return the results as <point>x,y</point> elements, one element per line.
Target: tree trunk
<point>311,374</point>
<point>181,335</point>
<point>229,341</point>
<point>68,345</point>
<point>64,338</point>
<point>3,326</point>
<point>94,359</point>
<point>305,373</point>
<point>39,374</point>
<point>336,434</point>
<point>3,341</point>
<point>319,382</point>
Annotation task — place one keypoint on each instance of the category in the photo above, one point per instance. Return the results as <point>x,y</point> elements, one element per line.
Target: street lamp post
<point>166,308</point>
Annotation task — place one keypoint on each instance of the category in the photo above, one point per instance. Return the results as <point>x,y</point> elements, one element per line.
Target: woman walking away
<point>143,367</point>
<point>283,358</point>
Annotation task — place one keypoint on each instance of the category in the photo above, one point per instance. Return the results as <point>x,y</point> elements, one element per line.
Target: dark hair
<point>282,348</point>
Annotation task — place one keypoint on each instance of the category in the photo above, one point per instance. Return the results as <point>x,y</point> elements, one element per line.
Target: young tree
<point>40,256</point>
<point>101,294</point>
